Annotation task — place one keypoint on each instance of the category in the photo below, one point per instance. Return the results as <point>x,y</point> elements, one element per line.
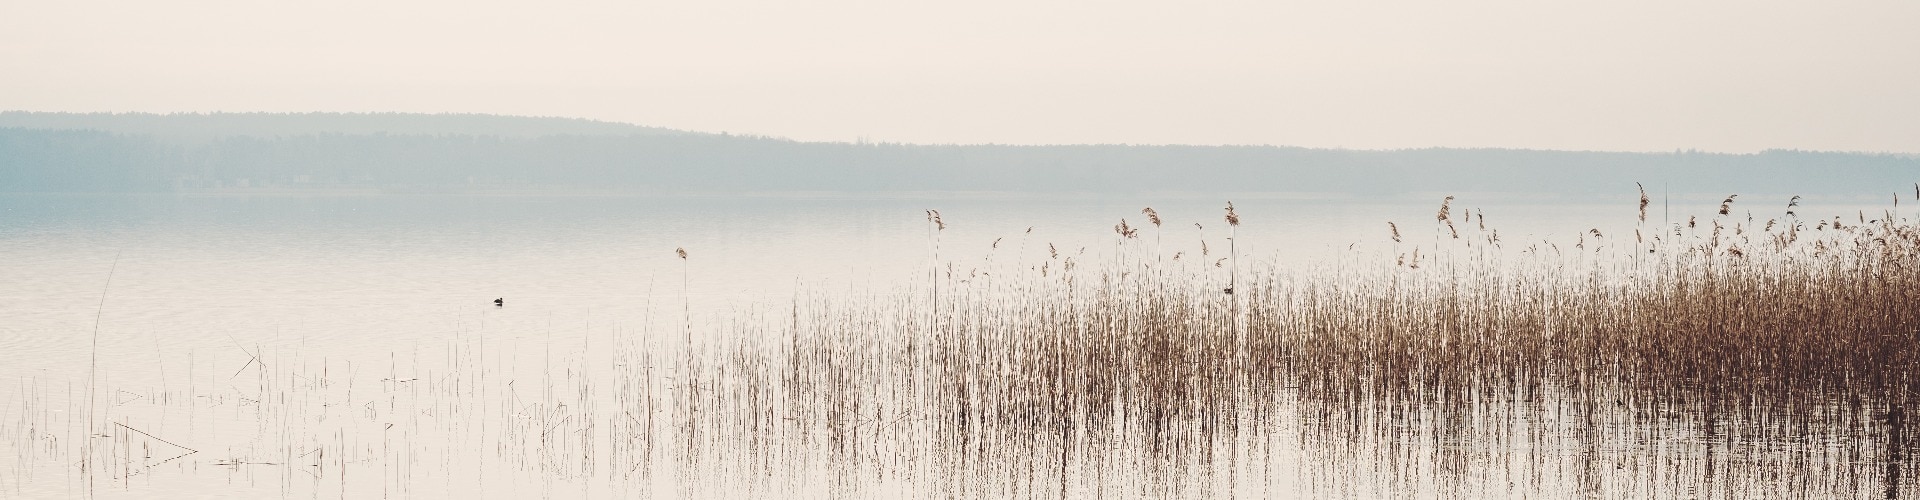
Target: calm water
<point>372,274</point>
<point>260,332</point>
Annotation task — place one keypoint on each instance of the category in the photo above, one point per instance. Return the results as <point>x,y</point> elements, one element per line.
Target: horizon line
<point>863,140</point>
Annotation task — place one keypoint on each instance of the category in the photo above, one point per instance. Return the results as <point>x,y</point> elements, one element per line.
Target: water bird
<point>500,302</point>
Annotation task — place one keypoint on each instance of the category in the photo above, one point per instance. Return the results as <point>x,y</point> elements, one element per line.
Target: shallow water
<point>347,347</point>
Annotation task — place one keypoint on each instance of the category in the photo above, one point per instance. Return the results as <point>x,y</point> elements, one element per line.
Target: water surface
<point>235,342</point>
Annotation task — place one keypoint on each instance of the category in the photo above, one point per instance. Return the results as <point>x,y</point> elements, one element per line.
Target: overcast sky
<point>1735,75</point>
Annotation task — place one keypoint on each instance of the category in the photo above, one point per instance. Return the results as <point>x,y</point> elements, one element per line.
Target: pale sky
<point>1736,75</point>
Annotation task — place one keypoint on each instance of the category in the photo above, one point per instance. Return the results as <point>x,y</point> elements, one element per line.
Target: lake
<point>348,346</point>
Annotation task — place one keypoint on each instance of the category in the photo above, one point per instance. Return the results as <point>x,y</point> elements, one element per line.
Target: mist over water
<point>865,249</point>
<point>348,347</point>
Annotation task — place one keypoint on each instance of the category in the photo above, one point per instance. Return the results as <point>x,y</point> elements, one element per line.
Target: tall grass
<point>1779,334</point>
<point>1781,313</point>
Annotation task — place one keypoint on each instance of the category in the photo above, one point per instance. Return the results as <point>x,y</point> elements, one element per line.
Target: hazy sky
<point>1736,75</point>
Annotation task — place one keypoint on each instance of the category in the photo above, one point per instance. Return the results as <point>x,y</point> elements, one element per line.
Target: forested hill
<point>41,152</point>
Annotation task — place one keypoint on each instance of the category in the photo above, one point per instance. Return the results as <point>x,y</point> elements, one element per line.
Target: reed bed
<point>1737,336</point>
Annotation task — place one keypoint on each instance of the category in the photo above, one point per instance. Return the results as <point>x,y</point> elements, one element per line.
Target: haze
<point>1634,76</point>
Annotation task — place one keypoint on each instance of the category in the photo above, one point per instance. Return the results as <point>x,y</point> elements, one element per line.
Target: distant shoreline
<point>482,155</point>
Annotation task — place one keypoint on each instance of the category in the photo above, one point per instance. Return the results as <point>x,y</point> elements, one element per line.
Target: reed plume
<point>1643,201</point>
<point>934,217</point>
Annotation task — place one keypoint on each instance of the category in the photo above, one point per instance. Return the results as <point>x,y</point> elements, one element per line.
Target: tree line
<point>47,159</point>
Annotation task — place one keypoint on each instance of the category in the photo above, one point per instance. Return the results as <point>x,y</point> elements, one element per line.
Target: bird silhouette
<point>500,302</point>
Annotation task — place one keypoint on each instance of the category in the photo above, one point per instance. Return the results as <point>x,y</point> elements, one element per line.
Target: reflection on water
<point>639,419</point>
<point>1471,368</point>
